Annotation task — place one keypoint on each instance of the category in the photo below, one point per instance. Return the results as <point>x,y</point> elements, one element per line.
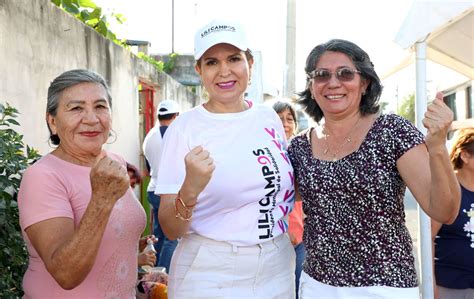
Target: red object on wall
<point>149,110</point>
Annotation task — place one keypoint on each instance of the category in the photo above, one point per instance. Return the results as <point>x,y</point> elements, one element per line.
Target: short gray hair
<point>281,106</point>
<point>64,81</point>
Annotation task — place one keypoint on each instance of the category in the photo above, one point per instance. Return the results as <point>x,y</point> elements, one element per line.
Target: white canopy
<point>442,31</point>
<point>447,28</point>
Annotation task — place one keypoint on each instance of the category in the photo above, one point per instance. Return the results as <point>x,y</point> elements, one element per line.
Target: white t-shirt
<point>251,191</point>
<point>152,147</point>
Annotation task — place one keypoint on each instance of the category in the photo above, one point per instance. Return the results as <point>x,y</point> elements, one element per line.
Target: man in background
<point>167,112</point>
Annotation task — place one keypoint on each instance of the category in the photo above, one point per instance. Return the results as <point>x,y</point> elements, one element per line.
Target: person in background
<point>454,244</point>
<point>79,217</point>
<point>146,257</point>
<point>149,277</point>
<point>134,175</point>
<point>352,170</point>
<point>287,114</point>
<point>167,112</point>
<point>226,184</point>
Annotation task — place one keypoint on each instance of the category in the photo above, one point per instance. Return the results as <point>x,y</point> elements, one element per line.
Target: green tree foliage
<point>407,109</point>
<point>90,14</point>
<point>383,106</point>
<point>14,158</point>
<point>164,66</point>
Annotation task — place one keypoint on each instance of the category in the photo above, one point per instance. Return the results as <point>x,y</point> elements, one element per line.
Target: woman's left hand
<point>146,259</point>
<point>437,121</point>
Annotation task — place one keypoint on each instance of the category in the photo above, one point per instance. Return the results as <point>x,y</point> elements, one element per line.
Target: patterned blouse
<point>355,233</point>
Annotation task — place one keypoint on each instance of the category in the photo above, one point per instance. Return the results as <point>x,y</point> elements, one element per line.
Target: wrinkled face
<point>289,123</point>
<point>225,73</point>
<point>83,119</point>
<point>337,96</point>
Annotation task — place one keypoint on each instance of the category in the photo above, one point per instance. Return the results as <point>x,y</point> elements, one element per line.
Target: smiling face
<point>335,96</point>
<point>225,73</point>
<point>83,119</point>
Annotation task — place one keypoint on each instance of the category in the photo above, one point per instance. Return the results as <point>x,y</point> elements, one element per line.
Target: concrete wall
<point>39,41</point>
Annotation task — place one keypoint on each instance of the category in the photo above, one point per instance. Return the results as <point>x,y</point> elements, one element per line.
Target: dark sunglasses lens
<point>345,74</point>
<point>322,75</point>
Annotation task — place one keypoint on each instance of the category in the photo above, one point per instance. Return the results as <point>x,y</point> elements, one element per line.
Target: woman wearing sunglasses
<point>352,170</point>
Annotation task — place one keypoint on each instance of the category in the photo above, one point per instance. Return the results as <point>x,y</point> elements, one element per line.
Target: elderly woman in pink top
<point>79,217</point>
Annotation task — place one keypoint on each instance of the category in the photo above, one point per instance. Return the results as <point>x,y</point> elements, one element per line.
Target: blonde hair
<point>464,142</point>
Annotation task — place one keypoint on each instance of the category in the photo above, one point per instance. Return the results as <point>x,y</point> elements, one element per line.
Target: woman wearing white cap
<point>226,183</point>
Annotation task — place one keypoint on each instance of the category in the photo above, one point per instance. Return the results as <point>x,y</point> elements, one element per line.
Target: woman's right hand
<point>109,179</point>
<point>199,169</point>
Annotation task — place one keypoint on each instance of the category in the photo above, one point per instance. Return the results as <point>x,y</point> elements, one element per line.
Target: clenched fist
<point>438,119</point>
<point>199,169</point>
<point>109,179</point>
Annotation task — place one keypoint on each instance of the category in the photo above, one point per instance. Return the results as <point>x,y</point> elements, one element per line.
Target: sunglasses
<point>343,75</point>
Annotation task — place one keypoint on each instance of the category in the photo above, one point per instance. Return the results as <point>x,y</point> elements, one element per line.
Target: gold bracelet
<point>178,215</point>
<point>188,209</point>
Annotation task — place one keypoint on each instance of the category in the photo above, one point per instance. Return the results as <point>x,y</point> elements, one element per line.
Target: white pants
<point>205,268</point>
<point>311,288</point>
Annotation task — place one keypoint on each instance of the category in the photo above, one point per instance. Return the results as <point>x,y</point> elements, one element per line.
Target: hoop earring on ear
<point>113,135</point>
<point>50,144</point>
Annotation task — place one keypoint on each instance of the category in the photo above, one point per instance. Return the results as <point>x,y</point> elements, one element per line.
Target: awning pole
<point>424,233</point>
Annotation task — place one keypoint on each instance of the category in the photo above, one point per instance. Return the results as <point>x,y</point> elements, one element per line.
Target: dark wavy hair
<point>64,81</point>
<point>369,103</point>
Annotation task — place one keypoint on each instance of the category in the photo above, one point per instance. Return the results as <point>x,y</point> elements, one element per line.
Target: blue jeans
<point>300,255</point>
<point>164,247</point>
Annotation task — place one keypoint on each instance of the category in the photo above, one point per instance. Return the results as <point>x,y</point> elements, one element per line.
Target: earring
<point>113,135</point>
<point>250,80</point>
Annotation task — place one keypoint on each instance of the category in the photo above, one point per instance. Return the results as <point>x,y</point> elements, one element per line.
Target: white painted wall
<point>39,41</point>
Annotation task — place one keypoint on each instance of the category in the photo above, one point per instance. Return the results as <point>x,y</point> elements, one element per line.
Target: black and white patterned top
<point>355,233</point>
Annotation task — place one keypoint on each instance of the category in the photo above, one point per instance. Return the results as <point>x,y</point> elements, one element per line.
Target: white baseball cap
<point>167,107</point>
<point>219,32</point>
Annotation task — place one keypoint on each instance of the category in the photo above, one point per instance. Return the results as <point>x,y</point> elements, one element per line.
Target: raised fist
<point>199,169</point>
<point>437,121</point>
<point>109,179</point>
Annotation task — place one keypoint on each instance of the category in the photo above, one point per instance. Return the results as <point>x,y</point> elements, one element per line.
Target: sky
<point>372,24</point>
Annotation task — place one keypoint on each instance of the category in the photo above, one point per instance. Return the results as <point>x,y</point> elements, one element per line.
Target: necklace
<point>347,139</point>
